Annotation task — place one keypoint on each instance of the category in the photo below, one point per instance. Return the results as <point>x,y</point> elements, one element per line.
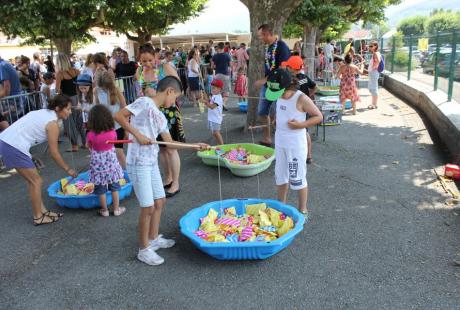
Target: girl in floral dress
<point>348,89</point>
<point>105,170</point>
<point>241,85</point>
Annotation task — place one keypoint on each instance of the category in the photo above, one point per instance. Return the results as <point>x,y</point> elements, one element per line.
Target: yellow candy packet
<point>212,215</point>
<point>274,216</point>
<point>71,190</point>
<point>286,226</point>
<point>230,211</point>
<point>255,159</point>
<point>216,238</point>
<point>63,182</point>
<point>255,208</point>
<point>208,227</point>
<point>264,220</point>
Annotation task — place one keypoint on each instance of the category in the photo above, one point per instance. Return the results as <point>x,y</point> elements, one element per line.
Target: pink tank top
<point>98,143</point>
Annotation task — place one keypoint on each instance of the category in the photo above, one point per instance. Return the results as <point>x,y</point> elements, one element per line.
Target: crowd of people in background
<point>106,97</point>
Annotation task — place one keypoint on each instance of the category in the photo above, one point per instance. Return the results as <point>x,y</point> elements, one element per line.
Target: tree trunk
<point>274,12</point>
<point>51,49</point>
<point>309,39</point>
<point>63,45</point>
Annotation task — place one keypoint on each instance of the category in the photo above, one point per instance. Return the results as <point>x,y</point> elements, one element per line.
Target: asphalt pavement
<point>380,234</point>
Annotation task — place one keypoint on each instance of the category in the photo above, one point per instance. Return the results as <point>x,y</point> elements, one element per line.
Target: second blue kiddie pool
<point>243,106</point>
<point>190,222</point>
<point>85,201</point>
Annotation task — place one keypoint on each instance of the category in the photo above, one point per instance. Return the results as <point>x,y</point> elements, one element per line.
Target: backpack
<point>381,66</point>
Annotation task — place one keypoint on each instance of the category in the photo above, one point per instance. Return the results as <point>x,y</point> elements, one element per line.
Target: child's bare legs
<point>218,137</point>
<point>303,196</point>
<point>103,203</point>
<point>115,201</point>
<point>144,226</point>
<point>282,192</point>
<point>155,219</point>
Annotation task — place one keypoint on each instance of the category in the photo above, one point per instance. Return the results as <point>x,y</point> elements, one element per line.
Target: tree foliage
<point>67,21</point>
<point>414,25</point>
<point>140,19</point>
<point>443,21</point>
<point>337,15</point>
<point>61,21</point>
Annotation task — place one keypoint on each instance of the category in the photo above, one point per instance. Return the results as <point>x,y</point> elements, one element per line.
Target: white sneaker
<point>161,243</point>
<point>150,257</point>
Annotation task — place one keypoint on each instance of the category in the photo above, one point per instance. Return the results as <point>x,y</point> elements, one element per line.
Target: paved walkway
<point>380,236</point>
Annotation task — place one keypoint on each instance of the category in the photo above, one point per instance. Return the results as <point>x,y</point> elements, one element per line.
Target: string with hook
<point>70,119</point>
<point>220,184</point>
<point>258,178</point>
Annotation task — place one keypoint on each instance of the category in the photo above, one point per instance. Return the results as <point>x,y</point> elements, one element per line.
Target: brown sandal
<point>42,218</point>
<point>48,213</point>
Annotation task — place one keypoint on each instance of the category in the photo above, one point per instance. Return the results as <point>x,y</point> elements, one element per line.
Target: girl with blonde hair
<point>66,76</point>
<point>108,94</point>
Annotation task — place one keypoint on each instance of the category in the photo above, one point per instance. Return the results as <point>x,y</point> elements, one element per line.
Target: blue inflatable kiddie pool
<point>87,201</point>
<point>190,222</point>
<point>243,106</point>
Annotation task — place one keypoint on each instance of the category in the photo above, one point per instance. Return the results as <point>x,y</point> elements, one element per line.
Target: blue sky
<point>232,15</point>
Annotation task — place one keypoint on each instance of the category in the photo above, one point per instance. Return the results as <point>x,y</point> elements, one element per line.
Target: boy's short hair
<point>48,76</point>
<point>220,45</point>
<point>266,28</point>
<point>169,81</point>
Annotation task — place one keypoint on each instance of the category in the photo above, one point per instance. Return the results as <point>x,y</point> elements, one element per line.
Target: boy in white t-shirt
<point>147,122</point>
<point>215,110</point>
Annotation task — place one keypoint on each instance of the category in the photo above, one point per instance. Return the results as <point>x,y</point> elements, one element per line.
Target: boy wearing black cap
<point>290,137</point>
<point>295,66</point>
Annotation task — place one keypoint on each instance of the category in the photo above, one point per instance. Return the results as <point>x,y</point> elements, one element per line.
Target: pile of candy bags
<point>259,223</point>
<point>80,187</point>
<point>241,156</point>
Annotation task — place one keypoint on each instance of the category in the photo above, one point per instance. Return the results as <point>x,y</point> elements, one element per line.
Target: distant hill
<point>417,7</point>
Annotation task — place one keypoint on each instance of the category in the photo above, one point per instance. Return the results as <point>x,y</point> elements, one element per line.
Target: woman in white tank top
<point>34,128</point>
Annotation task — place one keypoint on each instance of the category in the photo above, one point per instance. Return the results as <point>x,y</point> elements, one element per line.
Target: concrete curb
<point>444,116</point>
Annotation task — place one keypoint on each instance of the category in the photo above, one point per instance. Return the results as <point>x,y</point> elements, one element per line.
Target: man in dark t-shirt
<point>220,62</point>
<point>276,51</point>
<point>125,69</point>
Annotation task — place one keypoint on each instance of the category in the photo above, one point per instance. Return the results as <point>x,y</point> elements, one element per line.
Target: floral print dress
<point>348,89</point>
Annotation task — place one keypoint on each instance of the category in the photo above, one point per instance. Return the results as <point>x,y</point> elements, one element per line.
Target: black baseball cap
<point>277,81</point>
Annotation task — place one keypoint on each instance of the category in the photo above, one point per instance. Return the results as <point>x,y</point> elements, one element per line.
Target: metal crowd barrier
<point>14,107</point>
<point>128,86</point>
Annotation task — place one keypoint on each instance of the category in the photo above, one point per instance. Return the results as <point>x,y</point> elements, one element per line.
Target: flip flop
<point>169,194</point>
<point>265,143</point>
<point>370,107</point>
<point>166,186</point>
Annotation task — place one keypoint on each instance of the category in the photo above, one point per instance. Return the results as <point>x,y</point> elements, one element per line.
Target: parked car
<point>443,63</point>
